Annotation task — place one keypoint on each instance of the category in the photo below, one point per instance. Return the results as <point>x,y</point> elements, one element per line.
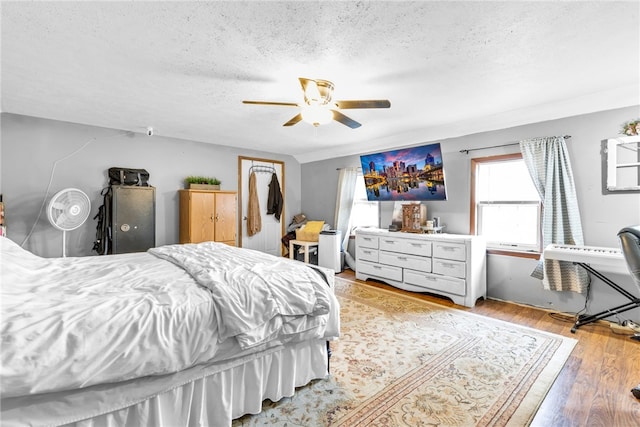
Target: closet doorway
<point>268,239</point>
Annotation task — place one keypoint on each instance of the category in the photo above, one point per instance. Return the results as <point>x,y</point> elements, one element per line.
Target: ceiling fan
<point>319,109</point>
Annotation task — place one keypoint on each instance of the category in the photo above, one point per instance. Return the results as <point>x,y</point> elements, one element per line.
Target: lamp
<point>316,114</point>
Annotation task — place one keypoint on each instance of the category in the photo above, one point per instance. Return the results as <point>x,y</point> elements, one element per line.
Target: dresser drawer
<point>405,261</point>
<point>437,283</point>
<point>391,244</point>
<point>379,270</point>
<point>367,254</point>
<point>449,268</point>
<point>417,247</point>
<point>455,251</point>
<point>367,241</point>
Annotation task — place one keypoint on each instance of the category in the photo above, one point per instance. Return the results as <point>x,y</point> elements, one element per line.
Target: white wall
<point>508,277</point>
<point>31,146</point>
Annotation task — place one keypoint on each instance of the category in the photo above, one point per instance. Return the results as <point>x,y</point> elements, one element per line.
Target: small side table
<point>306,245</point>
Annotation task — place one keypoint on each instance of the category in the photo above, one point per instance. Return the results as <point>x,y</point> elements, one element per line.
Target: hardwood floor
<point>594,386</point>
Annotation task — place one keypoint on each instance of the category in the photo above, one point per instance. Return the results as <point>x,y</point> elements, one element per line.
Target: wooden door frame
<point>282,189</point>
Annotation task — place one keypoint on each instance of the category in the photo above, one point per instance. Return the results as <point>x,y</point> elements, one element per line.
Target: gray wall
<point>508,277</point>
<point>32,146</point>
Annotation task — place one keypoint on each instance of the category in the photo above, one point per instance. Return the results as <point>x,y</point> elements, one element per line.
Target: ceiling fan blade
<point>294,120</point>
<point>371,103</point>
<point>347,121</point>
<point>283,104</point>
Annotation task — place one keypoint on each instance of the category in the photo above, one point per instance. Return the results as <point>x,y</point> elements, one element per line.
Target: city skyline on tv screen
<point>411,174</point>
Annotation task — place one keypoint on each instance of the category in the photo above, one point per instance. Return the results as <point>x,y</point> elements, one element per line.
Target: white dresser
<point>452,265</point>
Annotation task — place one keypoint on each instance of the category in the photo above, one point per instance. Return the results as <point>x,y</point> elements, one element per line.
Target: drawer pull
<point>402,258</point>
<point>448,248</point>
<point>391,242</point>
<point>377,267</point>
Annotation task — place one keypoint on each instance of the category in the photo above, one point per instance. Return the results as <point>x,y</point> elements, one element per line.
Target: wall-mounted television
<point>414,173</point>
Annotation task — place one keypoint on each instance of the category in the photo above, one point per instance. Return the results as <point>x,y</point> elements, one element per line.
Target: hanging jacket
<point>274,201</point>
<point>254,221</point>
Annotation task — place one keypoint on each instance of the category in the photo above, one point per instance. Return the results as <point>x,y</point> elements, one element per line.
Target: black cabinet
<point>133,218</point>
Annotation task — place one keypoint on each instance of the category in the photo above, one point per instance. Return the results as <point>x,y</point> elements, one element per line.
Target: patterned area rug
<point>401,361</point>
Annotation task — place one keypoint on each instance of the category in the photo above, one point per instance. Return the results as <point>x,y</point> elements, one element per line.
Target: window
<point>364,212</point>
<point>505,205</point>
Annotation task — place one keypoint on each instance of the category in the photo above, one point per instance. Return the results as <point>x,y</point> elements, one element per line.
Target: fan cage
<point>68,209</point>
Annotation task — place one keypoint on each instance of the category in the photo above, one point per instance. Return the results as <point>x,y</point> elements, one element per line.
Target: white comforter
<point>69,323</point>
<point>257,297</point>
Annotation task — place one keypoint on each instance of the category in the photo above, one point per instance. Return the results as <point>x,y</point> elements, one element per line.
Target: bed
<point>181,335</point>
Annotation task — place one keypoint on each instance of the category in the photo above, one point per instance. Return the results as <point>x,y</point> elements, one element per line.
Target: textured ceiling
<point>448,68</point>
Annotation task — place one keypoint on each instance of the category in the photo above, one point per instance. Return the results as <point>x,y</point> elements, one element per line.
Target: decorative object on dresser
<point>451,265</point>
<point>414,216</point>
<point>202,183</point>
<point>208,216</point>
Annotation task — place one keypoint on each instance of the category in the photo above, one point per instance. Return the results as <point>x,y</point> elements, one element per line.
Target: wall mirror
<point>622,163</point>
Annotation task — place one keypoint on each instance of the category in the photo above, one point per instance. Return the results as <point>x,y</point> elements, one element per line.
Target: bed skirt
<point>220,393</point>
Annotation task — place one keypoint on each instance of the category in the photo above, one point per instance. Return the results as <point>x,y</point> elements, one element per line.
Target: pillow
<point>310,231</point>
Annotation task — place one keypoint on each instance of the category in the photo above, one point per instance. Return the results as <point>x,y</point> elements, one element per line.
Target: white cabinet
<point>451,265</point>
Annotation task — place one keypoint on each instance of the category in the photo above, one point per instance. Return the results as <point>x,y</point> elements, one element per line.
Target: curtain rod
<point>466,151</point>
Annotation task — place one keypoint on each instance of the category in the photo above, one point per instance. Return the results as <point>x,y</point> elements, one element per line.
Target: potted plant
<point>202,183</point>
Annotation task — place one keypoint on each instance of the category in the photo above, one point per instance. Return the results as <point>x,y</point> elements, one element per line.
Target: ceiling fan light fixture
<point>318,92</point>
<point>311,93</point>
<point>316,115</point>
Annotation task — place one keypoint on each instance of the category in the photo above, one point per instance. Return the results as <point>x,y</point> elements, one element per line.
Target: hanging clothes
<point>275,202</point>
<point>254,221</point>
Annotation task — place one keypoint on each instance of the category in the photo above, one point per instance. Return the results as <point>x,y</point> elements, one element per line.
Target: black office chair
<point>630,243</point>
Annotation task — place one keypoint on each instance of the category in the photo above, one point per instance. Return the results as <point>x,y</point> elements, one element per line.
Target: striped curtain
<point>548,162</point>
